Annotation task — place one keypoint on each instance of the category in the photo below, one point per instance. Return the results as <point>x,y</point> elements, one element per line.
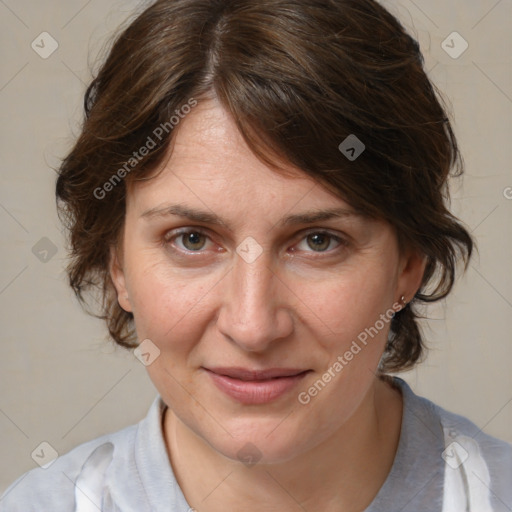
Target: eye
<point>188,240</point>
<point>195,240</point>
<point>321,241</point>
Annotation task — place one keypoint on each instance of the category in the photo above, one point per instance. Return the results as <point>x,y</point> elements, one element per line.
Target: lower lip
<point>255,392</point>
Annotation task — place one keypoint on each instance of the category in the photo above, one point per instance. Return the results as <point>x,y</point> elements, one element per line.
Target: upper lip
<point>248,374</point>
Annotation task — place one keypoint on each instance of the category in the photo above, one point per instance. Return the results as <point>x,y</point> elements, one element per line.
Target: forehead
<point>208,139</point>
<point>210,165</point>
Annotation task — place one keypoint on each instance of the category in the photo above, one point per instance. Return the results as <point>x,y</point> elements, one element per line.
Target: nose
<point>254,312</point>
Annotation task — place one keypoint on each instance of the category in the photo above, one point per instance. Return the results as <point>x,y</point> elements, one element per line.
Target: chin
<point>260,442</point>
<point>251,450</point>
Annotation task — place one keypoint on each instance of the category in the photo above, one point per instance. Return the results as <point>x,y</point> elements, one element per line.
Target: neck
<point>344,472</point>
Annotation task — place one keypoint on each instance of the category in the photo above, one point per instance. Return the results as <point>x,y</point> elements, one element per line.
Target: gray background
<point>62,383</point>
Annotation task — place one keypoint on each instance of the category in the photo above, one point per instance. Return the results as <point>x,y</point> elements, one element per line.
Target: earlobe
<point>411,275</point>
<point>118,278</point>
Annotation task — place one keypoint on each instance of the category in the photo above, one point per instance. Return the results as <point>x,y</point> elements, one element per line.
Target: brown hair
<point>298,78</point>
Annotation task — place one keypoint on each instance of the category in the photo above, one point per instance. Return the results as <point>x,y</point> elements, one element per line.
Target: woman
<point>259,193</point>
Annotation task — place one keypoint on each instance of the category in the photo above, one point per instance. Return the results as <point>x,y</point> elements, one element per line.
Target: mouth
<point>249,386</point>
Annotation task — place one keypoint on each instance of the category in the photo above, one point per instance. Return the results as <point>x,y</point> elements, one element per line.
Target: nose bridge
<point>252,313</point>
<point>254,283</point>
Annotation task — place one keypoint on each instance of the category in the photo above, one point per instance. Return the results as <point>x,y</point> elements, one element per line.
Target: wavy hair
<point>297,78</point>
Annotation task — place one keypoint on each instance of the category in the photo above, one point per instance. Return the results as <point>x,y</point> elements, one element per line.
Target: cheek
<point>168,306</point>
<point>345,304</point>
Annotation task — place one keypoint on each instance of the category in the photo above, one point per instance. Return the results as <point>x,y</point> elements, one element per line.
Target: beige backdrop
<point>61,383</point>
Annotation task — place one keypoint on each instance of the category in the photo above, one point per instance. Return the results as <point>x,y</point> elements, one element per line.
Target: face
<point>228,273</point>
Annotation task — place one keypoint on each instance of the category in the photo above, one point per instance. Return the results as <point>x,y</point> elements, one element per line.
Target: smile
<point>255,387</point>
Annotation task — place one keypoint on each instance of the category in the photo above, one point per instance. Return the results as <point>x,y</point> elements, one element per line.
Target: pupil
<point>319,241</point>
<point>193,239</point>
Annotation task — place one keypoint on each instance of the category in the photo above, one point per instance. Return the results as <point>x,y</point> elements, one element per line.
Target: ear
<point>410,273</point>
<point>117,275</point>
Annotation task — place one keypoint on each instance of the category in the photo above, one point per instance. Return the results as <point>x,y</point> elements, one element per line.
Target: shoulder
<point>53,488</point>
<point>494,450</point>
<point>472,457</point>
<point>457,425</point>
<point>126,470</point>
<point>477,444</point>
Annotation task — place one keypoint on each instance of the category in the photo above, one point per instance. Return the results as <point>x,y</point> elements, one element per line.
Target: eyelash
<point>171,236</point>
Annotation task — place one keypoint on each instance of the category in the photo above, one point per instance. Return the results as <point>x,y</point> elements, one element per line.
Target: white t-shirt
<point>444,463</point>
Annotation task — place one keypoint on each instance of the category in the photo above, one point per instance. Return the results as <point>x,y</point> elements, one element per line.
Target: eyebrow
<point>195,215</point>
